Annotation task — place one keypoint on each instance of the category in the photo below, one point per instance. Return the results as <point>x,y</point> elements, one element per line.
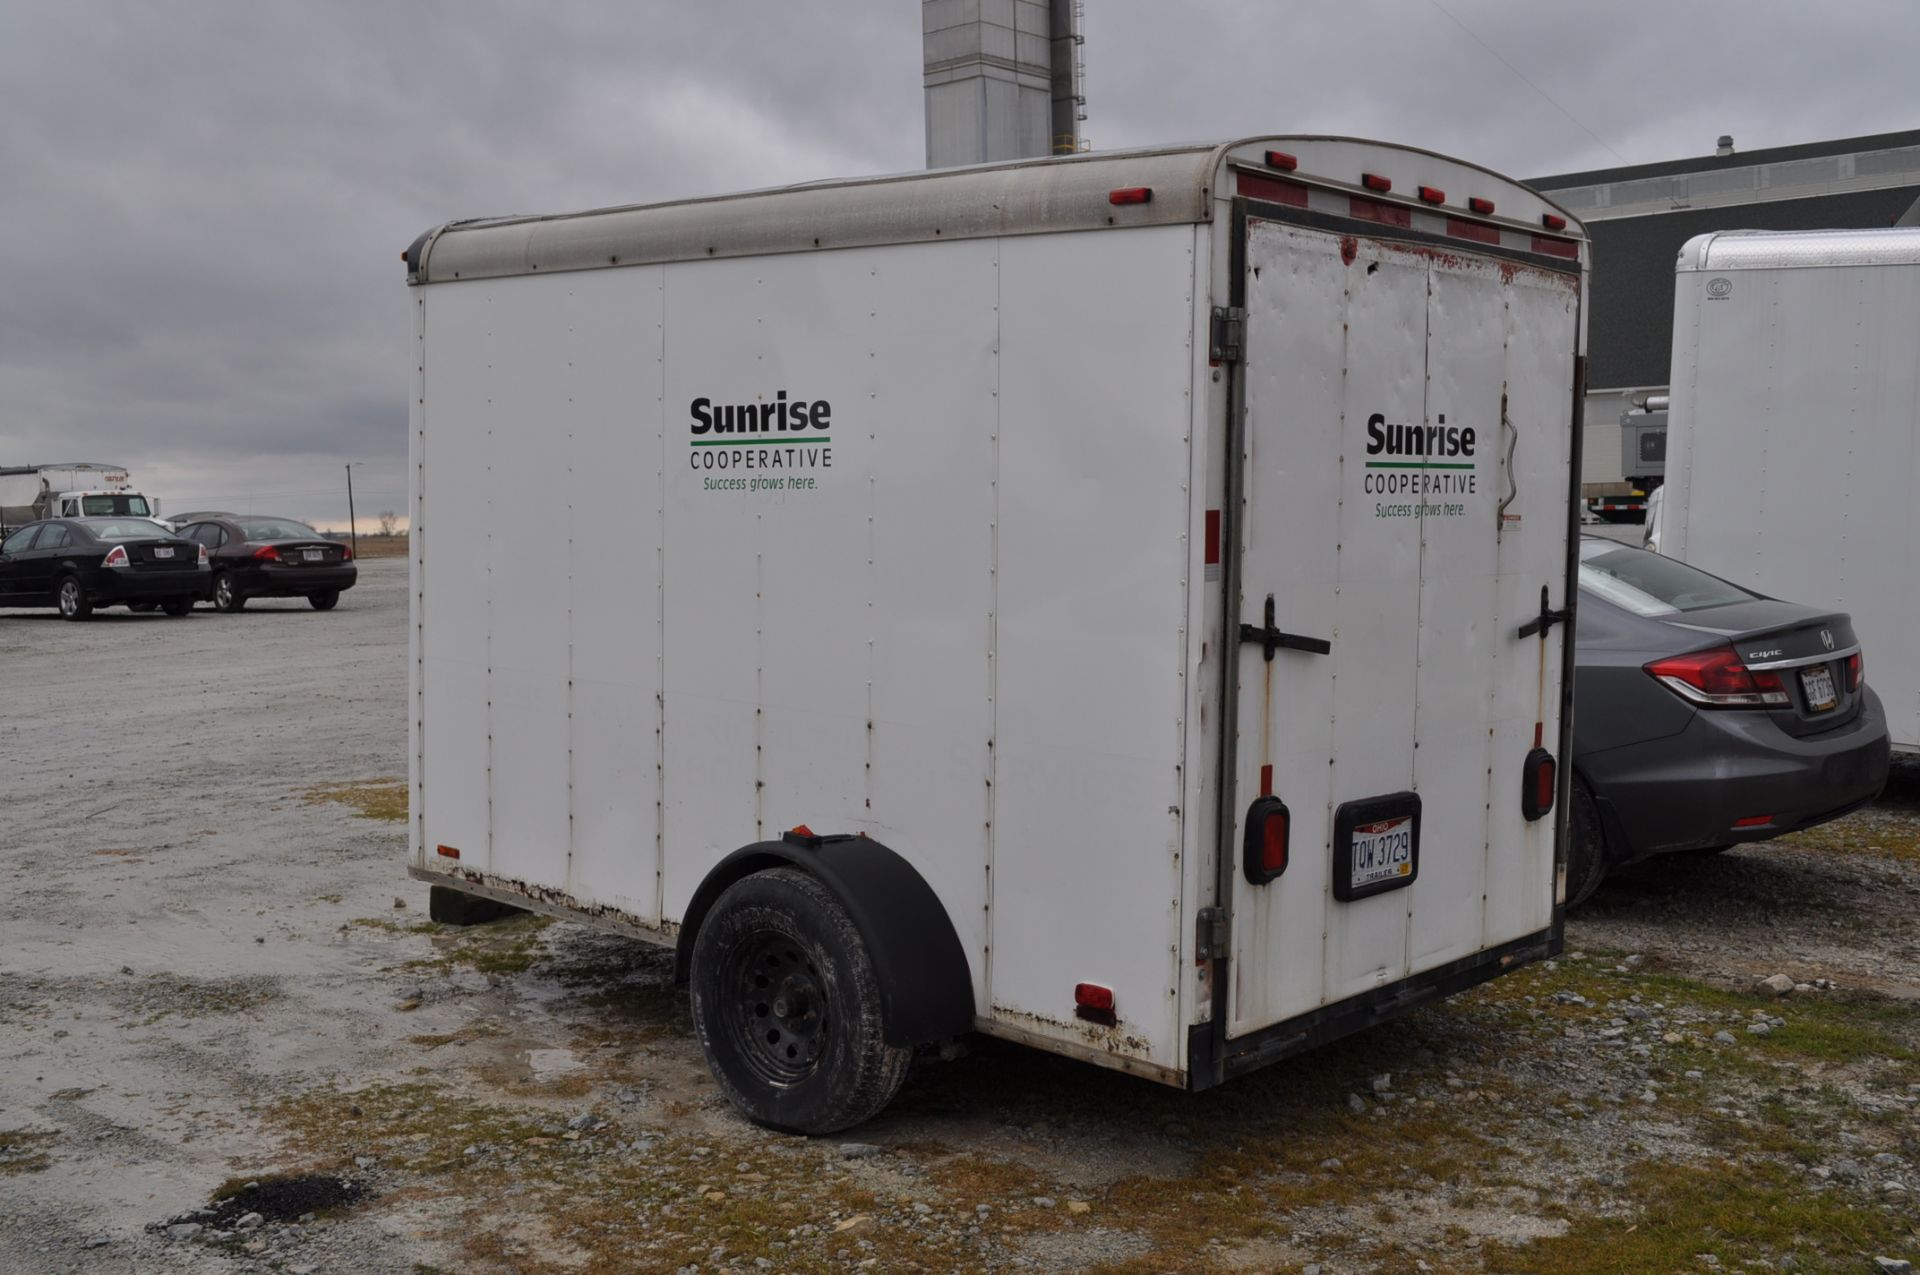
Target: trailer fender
<point>926,988</point>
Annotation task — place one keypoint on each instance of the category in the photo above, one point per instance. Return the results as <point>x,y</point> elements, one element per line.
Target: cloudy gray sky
<point>202,205</point>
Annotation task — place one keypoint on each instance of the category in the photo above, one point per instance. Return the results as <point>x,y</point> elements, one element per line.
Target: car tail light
<point>266,553</point>
<point>116,557</point>
<point>1715,678</point>
<point>1856,672</point>
<point>1540,780</point>
<point>1094,1003</point>
<point>203,555</point>
<point>346,553</point>
<point>1265,848</point>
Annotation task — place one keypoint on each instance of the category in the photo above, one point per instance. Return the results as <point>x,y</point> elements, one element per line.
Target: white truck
<point>1115,603</point>
<point>70,489</point>
<point>1794,432</point>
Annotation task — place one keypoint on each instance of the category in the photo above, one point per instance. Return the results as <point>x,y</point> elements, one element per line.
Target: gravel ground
<point>229,1041</point>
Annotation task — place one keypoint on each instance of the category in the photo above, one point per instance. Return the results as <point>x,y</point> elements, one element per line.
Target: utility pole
<point>353,534</point>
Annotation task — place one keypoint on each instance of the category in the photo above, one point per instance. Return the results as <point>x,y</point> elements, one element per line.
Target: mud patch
<point>283,1198</point>
<point>25,1150</point>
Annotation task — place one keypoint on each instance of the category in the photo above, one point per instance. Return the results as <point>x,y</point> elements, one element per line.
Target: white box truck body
<point>70,489</point>
<point>1139,576</point>
<point>1794,432</point>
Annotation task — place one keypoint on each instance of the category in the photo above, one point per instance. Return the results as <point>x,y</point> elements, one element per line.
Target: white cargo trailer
<point>1114,603</point>
<point>1794,432</point>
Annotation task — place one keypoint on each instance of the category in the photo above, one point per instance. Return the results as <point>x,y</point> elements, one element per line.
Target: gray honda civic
<point>1707,715</point>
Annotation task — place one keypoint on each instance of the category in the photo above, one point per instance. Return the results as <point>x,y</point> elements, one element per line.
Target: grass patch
<point>1869,832</point>
<point>1745,1214</point>
<point>382,799</point>
<point>25,1150</point>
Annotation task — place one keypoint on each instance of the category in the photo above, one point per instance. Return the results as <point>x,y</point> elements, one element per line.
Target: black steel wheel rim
<point>778,1016</point>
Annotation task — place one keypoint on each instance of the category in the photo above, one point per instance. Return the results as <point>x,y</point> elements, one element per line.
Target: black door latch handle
<point>1546,619</point>
<point>1273,639</point>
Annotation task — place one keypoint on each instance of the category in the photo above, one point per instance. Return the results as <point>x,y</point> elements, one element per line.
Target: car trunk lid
<point>1807,649</point>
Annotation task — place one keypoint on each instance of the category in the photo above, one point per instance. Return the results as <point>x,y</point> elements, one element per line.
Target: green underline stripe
<point>760,442</point>
<point>1411,464</point>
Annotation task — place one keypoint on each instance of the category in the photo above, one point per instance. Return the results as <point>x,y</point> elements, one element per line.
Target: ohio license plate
<point>1817,682</point>
<point>313,555</point>
<point>161,551</point>
<point>1382,851</point>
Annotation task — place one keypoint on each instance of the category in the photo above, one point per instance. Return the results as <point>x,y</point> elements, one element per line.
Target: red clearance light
<point>1753,821</point>
<point>1553,221</point>
<point>267,553</point>
<point>1482,206</point>
<point>1374,181</point>
<point>1094,1003</point>
<point>1264,849</point>
<point>1715,678</point>
<point>1281,160</point>
<point>1541,778</point>
<point>447,852</point>
<point>1432,195</point>
<point>1131,195</point>
<point>1856,671</point>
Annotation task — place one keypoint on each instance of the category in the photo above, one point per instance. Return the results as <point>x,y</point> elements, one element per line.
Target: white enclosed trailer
<point>1144,571</point>
<point>1794,432</point>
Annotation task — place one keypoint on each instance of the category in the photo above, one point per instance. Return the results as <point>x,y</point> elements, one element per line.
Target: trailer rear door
<point>1376,519</point>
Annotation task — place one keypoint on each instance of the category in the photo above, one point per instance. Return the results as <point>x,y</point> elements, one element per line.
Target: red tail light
<point>1374,181</point>
<point>1482,206</point>
<point>1856,672</point>
<point>447,852</point>
<point>1131,195</point>
<point>346,553</point>
<point>1553,221</point>
<point>1265,846</point>
<point>1540,781</point>
<point>1094,1003</point>
<point>266,553</point>
<point>116,557</point>
<point>1715,678</point>
<point>203,554</point>
<point>1282,161</point>
<point>1432,195</point>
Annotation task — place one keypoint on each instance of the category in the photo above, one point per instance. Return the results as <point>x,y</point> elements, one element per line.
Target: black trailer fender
<point>926,988</point>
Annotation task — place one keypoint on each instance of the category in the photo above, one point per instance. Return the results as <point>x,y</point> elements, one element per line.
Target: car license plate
<point>1817,682</point>
<point>1382,851</point>
<point>313,555</point>
<point>162,551</point>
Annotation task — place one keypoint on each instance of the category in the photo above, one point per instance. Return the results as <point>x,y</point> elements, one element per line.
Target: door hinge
<point>1212,936</point>
<point>1228,334</point>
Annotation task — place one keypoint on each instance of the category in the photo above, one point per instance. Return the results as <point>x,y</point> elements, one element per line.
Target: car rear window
<point>277,529</point>
<point>125,529</point>
<point>1649,584</point>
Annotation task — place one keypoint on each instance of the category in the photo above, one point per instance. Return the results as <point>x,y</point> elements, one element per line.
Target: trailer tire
<point>323,600</point>
<point>448,906</point>
<point>1586,847</point>
<point>787,1005</point>
<point>72,597</point>
<point>227,595</point>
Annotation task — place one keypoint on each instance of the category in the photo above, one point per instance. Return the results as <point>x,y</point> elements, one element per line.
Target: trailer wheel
<point>786,1002</point>
<point>226,594</point>
<point>448,906</point>
<point>324,600</point>
<point>1586,847</point>
<point>72,597</point>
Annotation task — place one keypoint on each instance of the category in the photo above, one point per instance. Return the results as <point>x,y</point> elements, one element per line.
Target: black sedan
<point>1707,715</point>
<point>264,557</point>
<point>78,564</point>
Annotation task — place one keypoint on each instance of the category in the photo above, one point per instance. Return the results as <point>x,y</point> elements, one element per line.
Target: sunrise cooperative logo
<point>761,445</point>
<point>1420,462</point>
